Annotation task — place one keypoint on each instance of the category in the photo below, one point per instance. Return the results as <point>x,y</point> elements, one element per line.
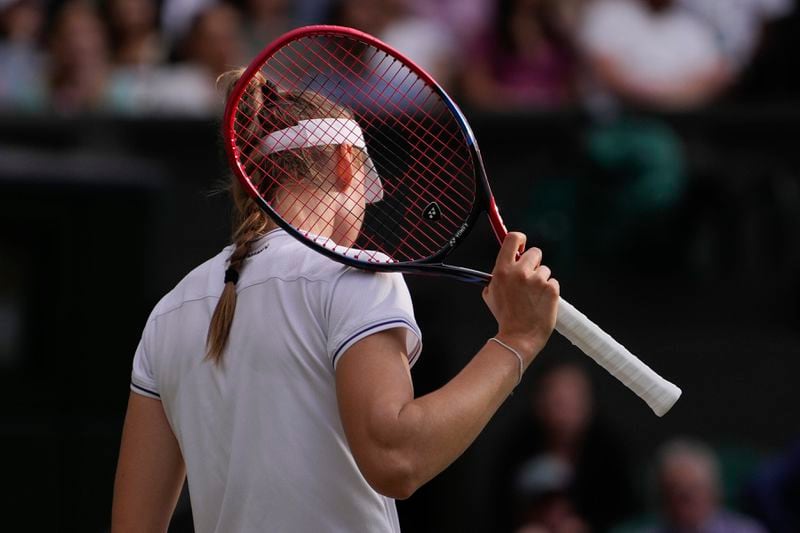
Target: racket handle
<point>659,393</point>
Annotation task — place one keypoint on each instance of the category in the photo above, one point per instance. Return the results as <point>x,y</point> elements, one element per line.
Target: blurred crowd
<point>161,57</point>
<point>568,471</point>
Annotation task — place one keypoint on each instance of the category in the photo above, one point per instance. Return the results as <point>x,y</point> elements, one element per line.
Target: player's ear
<point>344,166</point>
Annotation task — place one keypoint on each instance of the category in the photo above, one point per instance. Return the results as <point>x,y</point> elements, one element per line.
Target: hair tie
<point>231,275</point>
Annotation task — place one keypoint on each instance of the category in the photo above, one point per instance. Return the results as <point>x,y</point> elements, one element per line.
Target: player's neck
<point>314,212</point>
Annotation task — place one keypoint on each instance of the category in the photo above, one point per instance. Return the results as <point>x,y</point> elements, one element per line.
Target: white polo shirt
<point>261,435</point>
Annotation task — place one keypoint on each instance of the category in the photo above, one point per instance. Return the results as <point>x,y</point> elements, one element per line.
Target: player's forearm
<point>433,430</point>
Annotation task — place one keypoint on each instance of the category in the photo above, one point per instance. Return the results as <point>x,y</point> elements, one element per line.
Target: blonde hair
<point>264,109</point>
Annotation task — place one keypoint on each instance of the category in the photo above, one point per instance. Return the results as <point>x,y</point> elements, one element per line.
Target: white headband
<point>326,132</point>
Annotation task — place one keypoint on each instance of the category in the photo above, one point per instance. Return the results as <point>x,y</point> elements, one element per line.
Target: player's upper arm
<point>150,471</point>
<point>373,383</point>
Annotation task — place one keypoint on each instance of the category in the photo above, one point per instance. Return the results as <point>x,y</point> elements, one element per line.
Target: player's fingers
<point>531,259</point>
<point>543,272</point>
<point>553,282</point>
<point>512,244</point>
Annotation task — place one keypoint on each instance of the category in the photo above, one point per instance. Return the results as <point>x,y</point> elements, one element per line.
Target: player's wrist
<point>528,346</point>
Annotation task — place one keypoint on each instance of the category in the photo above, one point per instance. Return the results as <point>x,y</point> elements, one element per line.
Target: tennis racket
<point>423,185</point>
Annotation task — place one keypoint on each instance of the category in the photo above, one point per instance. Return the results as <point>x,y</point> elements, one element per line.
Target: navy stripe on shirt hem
<point>148,391</point>
<point>338,351</point>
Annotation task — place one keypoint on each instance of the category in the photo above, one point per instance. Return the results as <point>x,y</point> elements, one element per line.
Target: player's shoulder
<point>337,277</point>
<point>279,256</point>
<point>368,284</point>
<point>198,284</point>
<point>275,255</point>
<point>291,259</point>
<point>359,254</point>
<point>350,274</point>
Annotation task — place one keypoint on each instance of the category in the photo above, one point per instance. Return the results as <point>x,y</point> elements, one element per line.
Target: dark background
<point>100,217</point>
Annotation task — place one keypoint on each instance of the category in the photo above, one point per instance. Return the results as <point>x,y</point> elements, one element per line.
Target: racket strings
<point>424,108</point>
<point>417,241</point>
<point>412,99</point>
<point>420,140</point>
<point>396,86</point>
<point>410,132</point>
<point>427,246</point>
<point>443,113</point>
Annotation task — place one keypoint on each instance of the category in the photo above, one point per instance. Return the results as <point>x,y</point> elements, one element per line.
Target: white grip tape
<point>659,393</point>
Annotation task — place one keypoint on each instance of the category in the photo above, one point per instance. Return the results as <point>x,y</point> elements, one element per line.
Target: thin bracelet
<point>512,350</point>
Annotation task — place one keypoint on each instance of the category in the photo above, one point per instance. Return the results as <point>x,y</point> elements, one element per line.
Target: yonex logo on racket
<point>432,212</point>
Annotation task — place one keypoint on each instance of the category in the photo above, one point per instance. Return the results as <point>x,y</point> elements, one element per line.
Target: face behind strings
<point>306,157</point>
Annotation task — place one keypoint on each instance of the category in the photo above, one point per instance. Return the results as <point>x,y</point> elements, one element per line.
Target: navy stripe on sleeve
<point>148,391</point>
<point>338,351</point>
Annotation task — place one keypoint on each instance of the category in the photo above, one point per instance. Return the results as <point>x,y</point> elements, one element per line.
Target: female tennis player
<point>277,380</point>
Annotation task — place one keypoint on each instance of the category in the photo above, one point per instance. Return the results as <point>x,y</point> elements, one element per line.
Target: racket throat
<point>498,227</point>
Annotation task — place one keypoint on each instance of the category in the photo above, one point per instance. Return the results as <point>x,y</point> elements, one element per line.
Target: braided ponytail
<point>220,328</point>
<point>249,223</point>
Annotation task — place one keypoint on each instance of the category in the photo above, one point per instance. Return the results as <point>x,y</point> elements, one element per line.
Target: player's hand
<point>522,297</point>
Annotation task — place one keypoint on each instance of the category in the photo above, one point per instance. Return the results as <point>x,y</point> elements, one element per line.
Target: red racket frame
<point>484,199</point>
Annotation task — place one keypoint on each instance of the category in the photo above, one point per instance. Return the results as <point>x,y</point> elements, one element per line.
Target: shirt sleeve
<point>143,375</point>
<point>363,303</point>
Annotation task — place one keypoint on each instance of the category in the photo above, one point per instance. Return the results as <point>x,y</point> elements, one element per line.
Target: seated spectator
<point>424,40</point>
<point>265,20</point>
<point>563,429</point>
<point>688,481</point>
<point>177,16</point>
<point>464,18</point>
<point>542,494</point>
<point>212,46</point>
<point>214,43</point>
<point>21,61</point>
<point>525,61</point>
<point>652,53</point>
<point>370,16</point>
<point>79,59</point>
<point>738,25</point>
<point>21,22</point>
<point>135,38</point>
